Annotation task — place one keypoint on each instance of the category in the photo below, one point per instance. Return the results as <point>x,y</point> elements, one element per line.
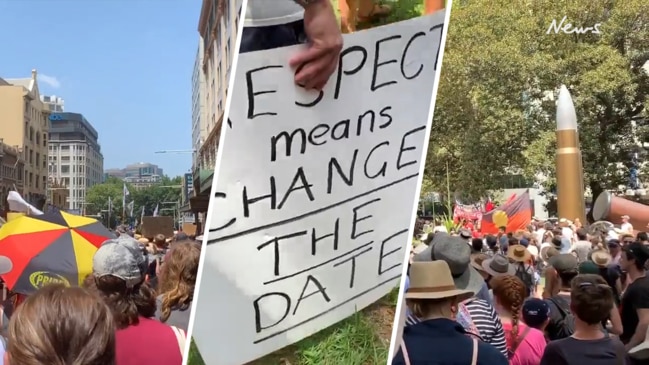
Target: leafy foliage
<point>168,190</point>
<point>500,75</point>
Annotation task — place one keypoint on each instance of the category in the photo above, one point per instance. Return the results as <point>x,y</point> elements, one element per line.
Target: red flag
<point>515,214</point>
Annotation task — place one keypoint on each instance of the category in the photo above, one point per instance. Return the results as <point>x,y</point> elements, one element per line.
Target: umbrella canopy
<point>55,247</point>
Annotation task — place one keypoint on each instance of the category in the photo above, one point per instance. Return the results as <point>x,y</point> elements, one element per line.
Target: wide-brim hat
<point>565,262</point>
<point>519,253</point>
<point>457,254</point>
<point>433,280</point>
<point>498,265</point>
<point>601,258</point>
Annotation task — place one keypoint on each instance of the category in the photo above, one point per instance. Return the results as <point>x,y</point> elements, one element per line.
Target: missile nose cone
<point>566,115</point>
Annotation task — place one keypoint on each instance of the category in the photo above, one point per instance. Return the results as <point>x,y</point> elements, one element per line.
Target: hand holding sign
<point>317,63</point>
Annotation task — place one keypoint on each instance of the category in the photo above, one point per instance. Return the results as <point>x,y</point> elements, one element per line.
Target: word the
<point>568,28</point>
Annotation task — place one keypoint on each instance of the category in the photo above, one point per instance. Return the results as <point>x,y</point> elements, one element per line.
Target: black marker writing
<point>252,93</point>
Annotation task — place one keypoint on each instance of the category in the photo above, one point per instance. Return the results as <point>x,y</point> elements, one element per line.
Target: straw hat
<point>433,280</point>
<point>601,258</point>
<point>498,266</point>
<point>641,352</point>
<point>519,253</point>
<point>143,240</point>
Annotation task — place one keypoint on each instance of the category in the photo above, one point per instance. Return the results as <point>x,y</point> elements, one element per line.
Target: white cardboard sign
<point>315,191</point>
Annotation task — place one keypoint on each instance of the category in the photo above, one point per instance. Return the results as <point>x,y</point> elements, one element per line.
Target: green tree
<point>162,194</point>
<point>495,111</point>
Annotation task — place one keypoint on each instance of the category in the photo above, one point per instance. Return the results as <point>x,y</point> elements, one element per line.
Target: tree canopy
<point>495,108</point>
<point>168,190</point>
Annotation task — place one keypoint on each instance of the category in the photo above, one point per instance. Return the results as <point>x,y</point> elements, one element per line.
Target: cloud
<point>49,80</point>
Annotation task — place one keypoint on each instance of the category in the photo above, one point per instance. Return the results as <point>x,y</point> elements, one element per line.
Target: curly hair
<point>126,304</point>
<point>178,278</point>
<point>510,291</point>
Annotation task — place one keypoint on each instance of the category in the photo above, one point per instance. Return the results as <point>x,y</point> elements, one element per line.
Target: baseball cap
<point>121,258</point>
<point>535,312</point>
<point>588,267</point>
<point>613,242</point>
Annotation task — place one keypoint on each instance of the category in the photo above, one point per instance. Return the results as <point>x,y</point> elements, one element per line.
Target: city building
<point>12,169</point>
<point>53,103</point>
<point>199,125</point>
<point>75,159</point>
<point>217,26</point>
<point>25,125</point>
<point>139,175</point>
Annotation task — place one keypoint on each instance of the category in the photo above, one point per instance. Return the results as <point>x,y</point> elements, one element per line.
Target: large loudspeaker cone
<point>609,207</point>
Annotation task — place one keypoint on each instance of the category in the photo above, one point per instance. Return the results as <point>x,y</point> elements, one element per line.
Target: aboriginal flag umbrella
<point>55,247</point>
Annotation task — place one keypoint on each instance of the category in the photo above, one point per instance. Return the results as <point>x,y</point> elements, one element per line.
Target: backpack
<point>523,273</point>
<point>566,326</point>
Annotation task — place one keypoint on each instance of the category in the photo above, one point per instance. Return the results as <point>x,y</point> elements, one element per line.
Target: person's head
<point>642,237</point>
<point>492,241</point>
<point>557,232</point>
<point>160,240</point>
<point>502,229</point>
<point>556,242</point>
<point>536,313</point>
<point>625,218</point>
<point>509,294</point>
<point>567,267</point>
<point>548,226</point>
<point>119,269</point>
<point>591,299</point>
<point>613,247</point>
<point>634,257</point>
<point>432,292</point>
<point>548,236</point>
<point>178,277</point>
<point>476,244</point>
<point>512,241</point>
<point>626,239</point>
<point>61,326</point>
<point>582,234</point>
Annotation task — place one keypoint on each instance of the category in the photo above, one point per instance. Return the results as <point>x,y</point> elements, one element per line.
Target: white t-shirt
<point>627,227</point>
<point>263,13</point>
<point>568,233</point>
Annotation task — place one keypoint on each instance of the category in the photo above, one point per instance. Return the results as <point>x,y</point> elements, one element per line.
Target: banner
<point>314,194</point>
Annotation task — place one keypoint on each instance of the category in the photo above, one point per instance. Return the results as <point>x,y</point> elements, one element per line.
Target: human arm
<point>616,321</point>
<point>641,305</point>
<point>315,64</point>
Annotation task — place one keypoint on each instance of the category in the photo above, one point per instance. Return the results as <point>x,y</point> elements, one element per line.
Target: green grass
<point>364,338</point>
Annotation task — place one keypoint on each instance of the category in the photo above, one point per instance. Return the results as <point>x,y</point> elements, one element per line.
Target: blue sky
<point>126,65</point>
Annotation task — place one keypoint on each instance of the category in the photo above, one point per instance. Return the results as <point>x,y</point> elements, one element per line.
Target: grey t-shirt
<point>178,318</point>
<point>582,249</point>
<point>570,351</point>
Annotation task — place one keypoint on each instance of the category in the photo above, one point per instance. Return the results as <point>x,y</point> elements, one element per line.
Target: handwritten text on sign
<point>315,191</point>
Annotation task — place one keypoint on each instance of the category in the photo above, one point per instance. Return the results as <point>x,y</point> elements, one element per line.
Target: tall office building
<point>23,124</point>
<point>199,127</point>
<point>75,159</point>
<point>217,27</point>
<point>139,175</point>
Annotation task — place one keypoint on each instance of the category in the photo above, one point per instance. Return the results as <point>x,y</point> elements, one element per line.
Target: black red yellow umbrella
<point>55,247</point>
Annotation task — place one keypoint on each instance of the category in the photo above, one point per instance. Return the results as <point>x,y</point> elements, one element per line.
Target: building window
<point>65,169</point>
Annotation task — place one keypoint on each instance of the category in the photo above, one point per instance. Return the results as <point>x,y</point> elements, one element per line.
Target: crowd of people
<point>552,294</point>
<point>133,309</point>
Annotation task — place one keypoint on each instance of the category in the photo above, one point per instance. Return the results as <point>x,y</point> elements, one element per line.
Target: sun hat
<point>535,312</point>
<point>498,265</point>
<point>565,262</point>
<point>641,352</point>
<point>121,258</point>
<point>601,258</point>
<point>588,267</point>
<point>477,260</point>
<point>519,253</point>
<point>457,255</point>
<point>433,280</point>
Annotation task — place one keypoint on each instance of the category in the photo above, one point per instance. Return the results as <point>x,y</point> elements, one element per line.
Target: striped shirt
<point>485,320</point>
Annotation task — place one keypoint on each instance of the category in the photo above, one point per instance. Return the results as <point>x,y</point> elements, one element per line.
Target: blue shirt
<point>444,342</point>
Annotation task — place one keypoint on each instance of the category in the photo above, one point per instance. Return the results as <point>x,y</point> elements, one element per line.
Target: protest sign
<point>314,196</point>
